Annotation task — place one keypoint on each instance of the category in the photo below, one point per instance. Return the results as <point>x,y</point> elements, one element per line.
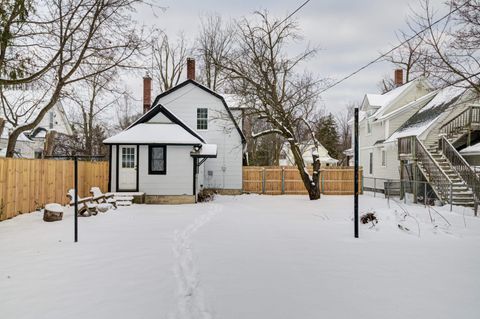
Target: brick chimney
<point>190,68</point>
<point>398,77</point>
<point>147,93</point>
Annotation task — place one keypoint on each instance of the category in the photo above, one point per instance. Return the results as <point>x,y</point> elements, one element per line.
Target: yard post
<point>75,173</point>
<point>263,180</point>
<point>425,194</point>
<point>451,197</point>
<point>283,180</point>
<point>355,208</point>
<point>374,187</point>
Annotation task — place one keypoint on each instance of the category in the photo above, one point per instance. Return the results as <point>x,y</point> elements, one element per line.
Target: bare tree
<point>49,48</point>
<point>453,43</point>
<point>261,71</point>
<point>169,59</point>
<point>214,43</point>
<point>92,98</point>
<point>126,112</point>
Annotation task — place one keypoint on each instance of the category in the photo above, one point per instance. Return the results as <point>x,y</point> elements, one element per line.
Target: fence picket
<point>29,184</point>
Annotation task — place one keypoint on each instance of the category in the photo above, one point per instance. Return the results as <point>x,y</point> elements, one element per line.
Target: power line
<point>295,11</point>
<point>391,50</point>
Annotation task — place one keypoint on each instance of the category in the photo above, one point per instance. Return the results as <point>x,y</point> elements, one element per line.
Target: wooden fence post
<point>283,180</point>
<point>263,180</point>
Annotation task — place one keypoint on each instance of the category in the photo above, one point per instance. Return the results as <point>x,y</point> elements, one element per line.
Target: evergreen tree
<point>327,134</point>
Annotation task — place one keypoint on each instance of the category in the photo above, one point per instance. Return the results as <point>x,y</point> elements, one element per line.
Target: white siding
<point>179,177</point>
<point>113,169</point>
<point>226,169</point>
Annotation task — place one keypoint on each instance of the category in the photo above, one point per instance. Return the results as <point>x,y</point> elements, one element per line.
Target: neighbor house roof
<point>143,132</point>
<point>428,115</point>
<point>471,150</point>
<point>153,110</point>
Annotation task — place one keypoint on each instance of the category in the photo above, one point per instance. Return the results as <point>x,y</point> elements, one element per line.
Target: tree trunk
<point>311,182</point>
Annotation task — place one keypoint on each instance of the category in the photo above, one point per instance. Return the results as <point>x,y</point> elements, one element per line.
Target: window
<point>157,162</point>
<point>384,158</point>
<point>202,119</point>
<point>369,127</point>
<point>371,164</point>
<point>128,157</point>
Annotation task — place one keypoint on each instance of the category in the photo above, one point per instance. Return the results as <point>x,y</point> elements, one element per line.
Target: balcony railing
<point>462,122</point>
<point>461,166</point>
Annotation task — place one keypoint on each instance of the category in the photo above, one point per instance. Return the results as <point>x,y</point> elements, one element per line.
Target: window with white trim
<point>369,127</point>
<point>384,158</point>
<point>202,119</point>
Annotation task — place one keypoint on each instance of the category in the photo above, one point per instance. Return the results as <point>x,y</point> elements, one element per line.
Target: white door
<point>127,171</point>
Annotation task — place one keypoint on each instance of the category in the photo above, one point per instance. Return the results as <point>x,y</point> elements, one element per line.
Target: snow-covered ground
<point>243,257</point>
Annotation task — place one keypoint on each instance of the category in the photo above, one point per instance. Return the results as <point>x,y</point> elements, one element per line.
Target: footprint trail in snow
<point>189,297</point>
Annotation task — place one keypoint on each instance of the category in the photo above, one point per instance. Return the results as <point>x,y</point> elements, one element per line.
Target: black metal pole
<point>75,165</point>
<point>355,208</point>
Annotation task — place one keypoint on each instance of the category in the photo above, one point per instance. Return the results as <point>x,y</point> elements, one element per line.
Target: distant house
<point>287,159</point>
<point>187,141</point>
<point>30,144</point>
<point>414,132</point>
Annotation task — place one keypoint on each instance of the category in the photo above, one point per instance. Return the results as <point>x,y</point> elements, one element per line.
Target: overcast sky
<point>349,33</point>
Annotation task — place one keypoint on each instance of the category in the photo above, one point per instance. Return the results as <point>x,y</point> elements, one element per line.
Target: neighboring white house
<point>413,117</point>
<point>187,141</point>
<point>30,144</point>
<point>287,159</point>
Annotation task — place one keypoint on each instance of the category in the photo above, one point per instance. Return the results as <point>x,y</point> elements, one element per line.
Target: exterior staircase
<point>462,195</point>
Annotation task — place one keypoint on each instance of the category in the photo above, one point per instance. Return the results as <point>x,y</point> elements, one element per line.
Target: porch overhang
<point>205,151</point>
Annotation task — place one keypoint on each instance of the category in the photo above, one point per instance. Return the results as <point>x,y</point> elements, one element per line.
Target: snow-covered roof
<point>471,150</point>
<point>426,116</point>
<point>206,150</point>
<point>151,133</point>
<point>381,100</point>
<point>234,101</point>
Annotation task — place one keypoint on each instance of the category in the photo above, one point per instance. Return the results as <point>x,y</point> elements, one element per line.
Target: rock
<point>53,212</point>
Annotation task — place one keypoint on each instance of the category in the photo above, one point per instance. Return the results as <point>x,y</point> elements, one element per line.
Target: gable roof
<point>429,114</point>
<point>139,132</point>
<point>204,88</point>
<point>381,102</point>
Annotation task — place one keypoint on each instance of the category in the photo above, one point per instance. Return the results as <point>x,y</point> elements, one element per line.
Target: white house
<point>414,132</point>
<point>287,159</point>
<point>22,105</point>
<point>187,141</point>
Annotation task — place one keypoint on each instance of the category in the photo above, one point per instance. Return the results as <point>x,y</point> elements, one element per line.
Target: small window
<point>384,158</point>
<point>371,164</point>
<point>128,157</point>
<point>157,163</point>
<point>202,119</point>
<point>369,127</point>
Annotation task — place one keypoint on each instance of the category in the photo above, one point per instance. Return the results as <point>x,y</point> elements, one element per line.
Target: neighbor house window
<point>384,158</point>
<point>202,119</point>
<point>371,164</point>
<point>369,127</point>
<point>157,159</point>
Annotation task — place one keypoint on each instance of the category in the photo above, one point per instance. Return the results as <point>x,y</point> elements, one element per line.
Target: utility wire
<point>391,50</point>
<point>291,14</point>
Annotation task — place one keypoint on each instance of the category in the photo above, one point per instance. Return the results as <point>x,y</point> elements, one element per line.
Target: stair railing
<point>411,147</point>
<point>461,166</point>
<point>462,121</point>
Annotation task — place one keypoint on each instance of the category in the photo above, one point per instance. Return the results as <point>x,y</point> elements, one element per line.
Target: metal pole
<point>451,197</point>
<point>75,166</point>
<point>374,186</point>
<point>355,208</point>
<point>425,194</point>
<point>404,193</point>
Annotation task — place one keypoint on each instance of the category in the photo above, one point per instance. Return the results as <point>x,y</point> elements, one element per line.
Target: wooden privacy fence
<point>29,184</point>
<point>276,180</point>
